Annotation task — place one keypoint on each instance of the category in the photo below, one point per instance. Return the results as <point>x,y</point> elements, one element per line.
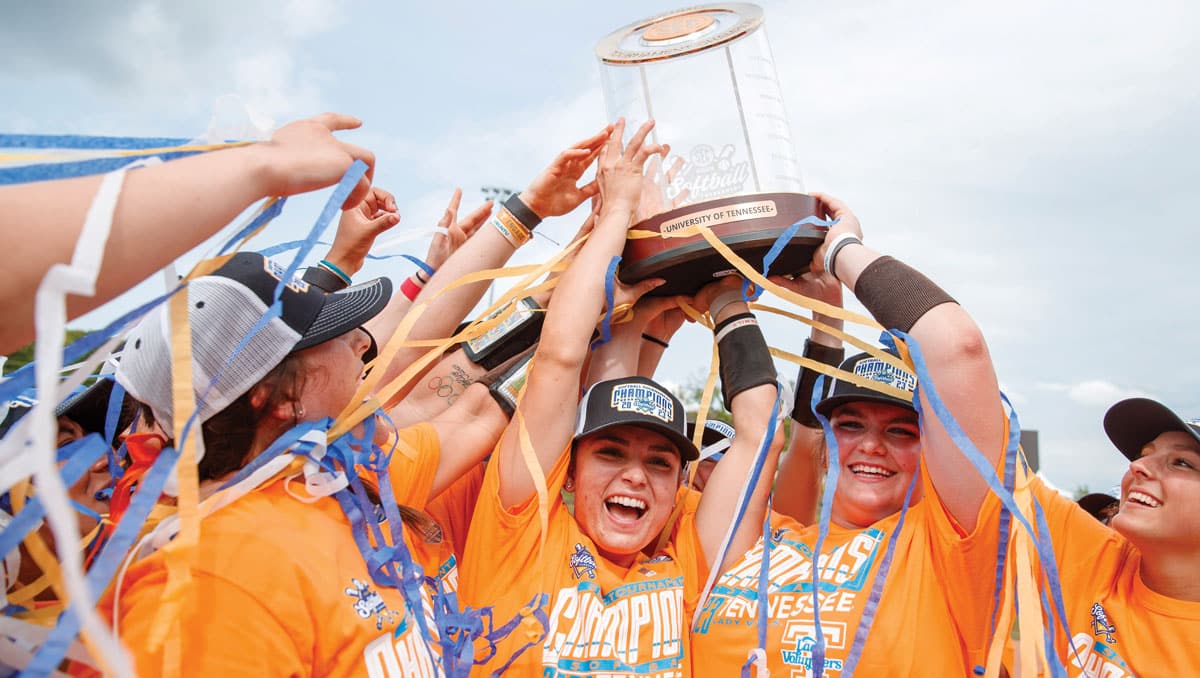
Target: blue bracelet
<point>336,271</point>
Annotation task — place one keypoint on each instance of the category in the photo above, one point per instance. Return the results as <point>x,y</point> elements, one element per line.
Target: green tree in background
<point>23,356</point>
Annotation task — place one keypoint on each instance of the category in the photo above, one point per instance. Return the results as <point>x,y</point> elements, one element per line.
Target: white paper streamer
<point>50,318</point>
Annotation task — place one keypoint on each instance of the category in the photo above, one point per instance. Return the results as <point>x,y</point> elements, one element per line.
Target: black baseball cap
<point>1095,502</point>
<point>716,432</point>
<point>1133,422</point>
<point>869,367</point>
<point>86,406</point>
<point>635,401</point>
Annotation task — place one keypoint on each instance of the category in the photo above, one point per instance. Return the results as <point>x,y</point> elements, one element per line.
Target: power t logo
<point>799,645</point>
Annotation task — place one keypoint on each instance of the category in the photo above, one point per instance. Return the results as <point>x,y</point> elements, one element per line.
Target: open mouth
<point>871,471</point>
<point>625,509</point>
<point>1142,499</point>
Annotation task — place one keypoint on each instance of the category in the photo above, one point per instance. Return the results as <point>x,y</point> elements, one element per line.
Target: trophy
<point>706,76</point>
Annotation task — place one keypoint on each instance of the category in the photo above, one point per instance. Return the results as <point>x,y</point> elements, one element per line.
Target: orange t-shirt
<point>930,602</point>
<point>279,588</point>
<point>453,508</point>
<point>603,619</point>
<point>1118,626</point>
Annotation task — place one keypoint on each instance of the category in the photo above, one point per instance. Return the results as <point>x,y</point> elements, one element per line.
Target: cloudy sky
<point>1033,158</point>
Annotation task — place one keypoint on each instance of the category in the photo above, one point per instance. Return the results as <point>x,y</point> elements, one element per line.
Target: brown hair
<point>229,436</point>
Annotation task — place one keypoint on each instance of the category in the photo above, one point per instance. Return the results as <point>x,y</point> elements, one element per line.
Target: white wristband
<point>724,299</point>
<point>838,243</point>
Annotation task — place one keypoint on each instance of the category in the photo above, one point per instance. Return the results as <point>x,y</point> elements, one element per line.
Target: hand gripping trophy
<point>706,76</point>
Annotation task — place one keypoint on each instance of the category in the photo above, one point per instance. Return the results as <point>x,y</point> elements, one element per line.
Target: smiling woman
<point>904,509</point>
<point>601,595</point>
<point>1133,608</point>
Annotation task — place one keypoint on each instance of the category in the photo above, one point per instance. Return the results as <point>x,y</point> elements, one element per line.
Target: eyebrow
<point>1189,447</point>
<point>613,438</point>
<point>1175,447</point>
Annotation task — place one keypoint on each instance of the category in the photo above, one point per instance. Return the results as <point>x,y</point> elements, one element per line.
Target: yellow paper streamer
<point>167,628</point>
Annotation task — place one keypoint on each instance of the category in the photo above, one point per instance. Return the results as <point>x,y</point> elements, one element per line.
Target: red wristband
<point>410,289</point>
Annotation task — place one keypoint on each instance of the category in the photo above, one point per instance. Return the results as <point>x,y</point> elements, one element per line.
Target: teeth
<point>873,470</point>
<point>628,501</point>
<point>1144,499</point>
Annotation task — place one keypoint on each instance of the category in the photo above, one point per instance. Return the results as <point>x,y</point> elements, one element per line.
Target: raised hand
<point>707,294</point>
<point>359,227</point>
<point>819,285</point>
<point>662,316</point>
<point>847,223</point>
<point>621,170</point>
<point>653,191</point>
<point>625,296</point>
<point>304,156</point>
<point>452,233</point>
<point>556,191</point>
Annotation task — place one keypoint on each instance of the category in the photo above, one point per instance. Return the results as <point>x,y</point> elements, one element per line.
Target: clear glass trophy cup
<point>706,76</point>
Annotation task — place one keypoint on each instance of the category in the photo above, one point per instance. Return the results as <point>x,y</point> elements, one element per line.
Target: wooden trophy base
<point>748,224</point>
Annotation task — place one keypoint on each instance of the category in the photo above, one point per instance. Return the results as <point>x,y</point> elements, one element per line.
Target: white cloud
<point>1093,392</point>
<point>175,55</point>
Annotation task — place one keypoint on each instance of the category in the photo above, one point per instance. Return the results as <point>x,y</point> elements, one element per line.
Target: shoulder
<point>261,536</point>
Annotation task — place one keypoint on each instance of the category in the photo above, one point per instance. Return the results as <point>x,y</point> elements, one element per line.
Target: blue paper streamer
<point>52,651</point>
<point>988,473</point>
<point>610,282</point>
<point>84,142</point>
<point>750,291</point>
<point>25,174</point>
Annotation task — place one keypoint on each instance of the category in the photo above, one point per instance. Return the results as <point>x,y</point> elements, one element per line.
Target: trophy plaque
<point>706,76</point>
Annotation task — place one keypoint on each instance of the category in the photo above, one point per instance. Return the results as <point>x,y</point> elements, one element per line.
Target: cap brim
<point>347,309</point>
<point>88,408</point>
<point>710,437</point>
<point>1132,423</point>
<point>687,450</point>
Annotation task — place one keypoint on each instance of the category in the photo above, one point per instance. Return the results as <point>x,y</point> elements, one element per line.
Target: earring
<point>569,485</point>
<point>298,411</point>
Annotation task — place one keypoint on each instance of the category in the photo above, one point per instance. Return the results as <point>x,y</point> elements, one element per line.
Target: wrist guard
<point>506,387</point>
<point>806,381</point>
<point>517,332</point>
<point>324,278</point>
<point>745,359</point>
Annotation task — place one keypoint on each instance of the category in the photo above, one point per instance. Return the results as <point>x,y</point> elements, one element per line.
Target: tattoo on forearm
<point>461,377</point>
<point>452,385</point>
